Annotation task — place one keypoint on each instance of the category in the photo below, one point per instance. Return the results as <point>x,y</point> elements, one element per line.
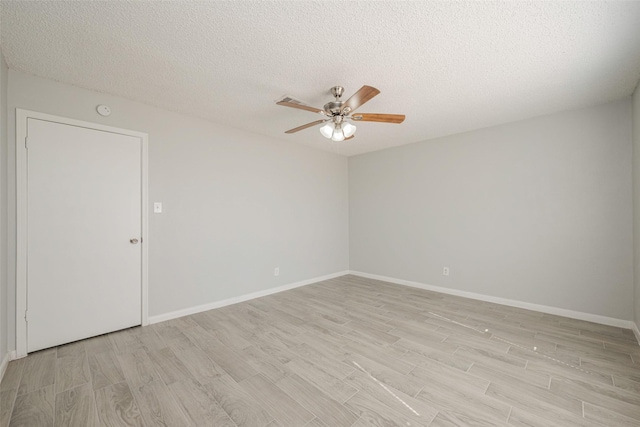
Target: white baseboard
<point>611,321</point>
<point>636,331</point>
<point>241,298</point>
<point>4,364</point>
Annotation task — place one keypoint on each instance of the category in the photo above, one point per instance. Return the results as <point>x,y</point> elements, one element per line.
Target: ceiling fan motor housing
<point>333,108</point>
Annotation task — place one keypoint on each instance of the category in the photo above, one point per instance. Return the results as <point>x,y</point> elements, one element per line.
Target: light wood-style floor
<point>344,352</point>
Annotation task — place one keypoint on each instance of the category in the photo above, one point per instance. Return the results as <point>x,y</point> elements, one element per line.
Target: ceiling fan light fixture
<point>327,130</point>
<point>348,129</point>
<point>336,113</point>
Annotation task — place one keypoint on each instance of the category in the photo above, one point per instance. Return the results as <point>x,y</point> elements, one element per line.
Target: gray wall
<point>538,211</point>
<point>636,200</point>
<point>236,204</point>
<point>4,303</point>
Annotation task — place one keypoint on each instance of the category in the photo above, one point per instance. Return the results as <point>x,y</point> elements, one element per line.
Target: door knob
<point>133,241</point>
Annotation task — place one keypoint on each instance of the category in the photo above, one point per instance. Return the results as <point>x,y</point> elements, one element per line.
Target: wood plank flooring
<point>346,352</point>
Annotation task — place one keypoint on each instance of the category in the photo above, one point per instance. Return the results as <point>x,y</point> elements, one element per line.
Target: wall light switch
<point>157,207</point>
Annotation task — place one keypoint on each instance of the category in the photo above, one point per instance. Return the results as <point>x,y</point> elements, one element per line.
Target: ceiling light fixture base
<point>337,91</point>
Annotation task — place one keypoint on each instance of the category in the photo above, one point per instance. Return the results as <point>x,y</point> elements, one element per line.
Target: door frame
<point>22,117</point>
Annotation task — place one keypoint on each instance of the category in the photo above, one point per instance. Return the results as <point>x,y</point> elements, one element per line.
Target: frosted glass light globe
<point>327,130</point>
<point>337,134</point>
<point>348,129</point>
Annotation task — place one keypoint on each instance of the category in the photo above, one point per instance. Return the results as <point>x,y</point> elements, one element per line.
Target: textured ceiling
<point>449,66</point>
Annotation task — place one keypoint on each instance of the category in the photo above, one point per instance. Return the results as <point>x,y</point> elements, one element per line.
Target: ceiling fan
<point>338,113</point>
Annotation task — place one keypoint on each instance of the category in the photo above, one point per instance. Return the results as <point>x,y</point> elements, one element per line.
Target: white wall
<point>4,303</point>
<point>636,201</point>
<point>538,211</point>
<point>236,204</point>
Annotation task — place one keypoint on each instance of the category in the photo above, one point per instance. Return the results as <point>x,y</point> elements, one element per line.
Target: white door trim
<point>21,214</point>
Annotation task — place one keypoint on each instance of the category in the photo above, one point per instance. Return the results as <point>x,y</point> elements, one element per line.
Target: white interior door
<point>83,209</point>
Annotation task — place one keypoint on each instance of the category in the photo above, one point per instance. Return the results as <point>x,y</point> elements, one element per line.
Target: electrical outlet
<point>445,271</point>
<point>276,271</point>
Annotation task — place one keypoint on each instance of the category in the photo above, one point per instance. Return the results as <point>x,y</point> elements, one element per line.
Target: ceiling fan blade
<point>308,125</point>
<point>382,118</point>
<point>360,97</point>
<point>289,102</point>
<point>351,137</point>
